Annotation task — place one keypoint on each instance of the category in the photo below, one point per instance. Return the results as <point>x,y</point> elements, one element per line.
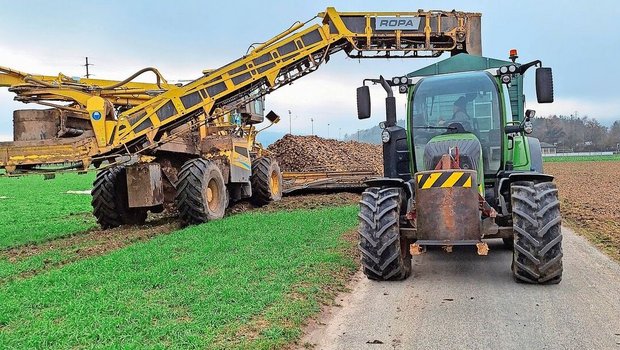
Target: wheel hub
<point>213,195</point>
<point>274,182</point>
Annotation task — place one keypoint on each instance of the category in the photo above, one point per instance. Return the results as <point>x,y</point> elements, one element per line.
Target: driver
<point>459,112</point>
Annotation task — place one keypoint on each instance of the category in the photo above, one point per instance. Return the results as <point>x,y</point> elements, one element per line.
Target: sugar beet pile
<point>313,153</point>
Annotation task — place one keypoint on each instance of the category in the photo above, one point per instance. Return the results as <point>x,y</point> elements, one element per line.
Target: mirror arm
<point>386,86</point>
<point>524,67</point>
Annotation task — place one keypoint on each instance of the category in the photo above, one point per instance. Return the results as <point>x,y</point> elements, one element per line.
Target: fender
<point>536,160</point>
<point>392,182</point>
<point>518,176</point>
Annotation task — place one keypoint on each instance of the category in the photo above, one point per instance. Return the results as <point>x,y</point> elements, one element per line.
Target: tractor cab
<point>461,110</point>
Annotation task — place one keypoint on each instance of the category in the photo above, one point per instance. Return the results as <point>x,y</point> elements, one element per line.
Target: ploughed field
<point>590,197</point>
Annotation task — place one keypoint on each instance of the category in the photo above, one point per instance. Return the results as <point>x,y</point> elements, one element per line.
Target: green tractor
<point>462,171</point>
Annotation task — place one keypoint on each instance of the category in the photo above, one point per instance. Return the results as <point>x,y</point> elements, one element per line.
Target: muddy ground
<point>590,198</point>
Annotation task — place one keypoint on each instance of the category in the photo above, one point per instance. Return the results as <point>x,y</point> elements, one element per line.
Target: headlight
<point>528,127</point>
<point>402,89</point>
<point>404,80</point>
<point>506,79</point>
<point>385,136</point>
<point>503,70</point>
<point>512,68</point>
<point>396,80</point>
<point>382,125</point>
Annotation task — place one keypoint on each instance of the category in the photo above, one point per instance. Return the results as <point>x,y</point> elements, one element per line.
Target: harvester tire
<point>384,253</point>
<point>266,181</point>
<point>537,252</point>
<point>110,202</point>
<point>201,192</point>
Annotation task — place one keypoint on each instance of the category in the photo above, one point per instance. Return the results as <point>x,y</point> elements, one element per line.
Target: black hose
<point>160,78</point>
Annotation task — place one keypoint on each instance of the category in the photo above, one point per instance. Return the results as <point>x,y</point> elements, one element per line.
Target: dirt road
<point>463,301</point>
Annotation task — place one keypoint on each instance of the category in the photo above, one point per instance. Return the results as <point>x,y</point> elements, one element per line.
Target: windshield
<point>469,99</point>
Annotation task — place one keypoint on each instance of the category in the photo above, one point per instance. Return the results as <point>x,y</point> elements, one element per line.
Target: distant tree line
<point>568,133</point>
<point>577,134</point>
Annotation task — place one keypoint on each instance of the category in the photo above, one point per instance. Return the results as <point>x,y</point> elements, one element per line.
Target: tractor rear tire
<point>537,252</point>
<point>266,181</point>
<point>110,202</point>
<point>384,253</point>
<point>201,192</point>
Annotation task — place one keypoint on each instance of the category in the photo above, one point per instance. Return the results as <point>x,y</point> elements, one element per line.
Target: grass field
<point>247,281</point>
<point>572,159</point>
<point>35,210</point>
<point>244,281</point>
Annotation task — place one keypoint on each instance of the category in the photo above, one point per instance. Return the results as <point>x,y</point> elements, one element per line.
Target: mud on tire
<point>384,254</point>
<point>110,203</point>
<point>201,192</point>
<point>266,181</point>
<point>537,252</point>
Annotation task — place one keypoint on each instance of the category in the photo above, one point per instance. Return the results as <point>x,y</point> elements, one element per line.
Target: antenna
<point>87,65</point>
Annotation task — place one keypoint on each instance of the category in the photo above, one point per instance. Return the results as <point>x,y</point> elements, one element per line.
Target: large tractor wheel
<point>537,252</point>
<point>385,254</point>
<point>201,193</point>
<point>110,202</point>
<point>266,181</point>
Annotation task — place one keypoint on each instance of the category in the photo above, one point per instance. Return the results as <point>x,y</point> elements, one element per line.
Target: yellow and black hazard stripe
<point>444,179</point>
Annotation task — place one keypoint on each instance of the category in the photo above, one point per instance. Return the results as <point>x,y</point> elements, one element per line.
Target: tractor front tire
<point>384,253</point>
<point>201,192</point>
<point>110,202</point>
<point>537,252</point>
<point>266,181</point>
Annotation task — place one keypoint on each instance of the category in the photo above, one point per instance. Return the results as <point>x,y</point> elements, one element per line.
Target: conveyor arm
<point>273,64</point>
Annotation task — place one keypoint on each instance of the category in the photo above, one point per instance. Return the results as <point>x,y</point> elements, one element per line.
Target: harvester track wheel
<point>110,202</point>
<point>201,193</point>
<point>266,181</point>
<point>384,253</point>
<point>537,252</point>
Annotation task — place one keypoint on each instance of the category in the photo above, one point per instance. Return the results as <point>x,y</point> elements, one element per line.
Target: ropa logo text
<point>397,23</point>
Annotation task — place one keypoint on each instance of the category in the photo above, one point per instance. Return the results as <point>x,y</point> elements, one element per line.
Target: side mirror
<point>363,102</point>
<point>273,117</point>
<point>544,85</point>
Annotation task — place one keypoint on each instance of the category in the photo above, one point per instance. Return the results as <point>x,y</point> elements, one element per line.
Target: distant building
<point>548,148</point>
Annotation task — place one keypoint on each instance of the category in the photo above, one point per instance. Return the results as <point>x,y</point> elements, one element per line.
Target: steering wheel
<point>457,128</point>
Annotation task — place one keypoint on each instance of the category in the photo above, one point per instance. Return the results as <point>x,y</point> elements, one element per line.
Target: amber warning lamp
<point>513,55</point>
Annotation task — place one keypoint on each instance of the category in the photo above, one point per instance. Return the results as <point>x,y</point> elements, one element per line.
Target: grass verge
<point>570,159</point>
<point>247,281</point>
<point>609,245</point>
<point>36,210</point>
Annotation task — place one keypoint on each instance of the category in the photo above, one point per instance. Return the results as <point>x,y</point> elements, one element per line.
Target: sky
<point>181,38</point>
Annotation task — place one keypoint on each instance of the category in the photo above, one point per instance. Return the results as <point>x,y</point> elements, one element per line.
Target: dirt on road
<point>591,200</point>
